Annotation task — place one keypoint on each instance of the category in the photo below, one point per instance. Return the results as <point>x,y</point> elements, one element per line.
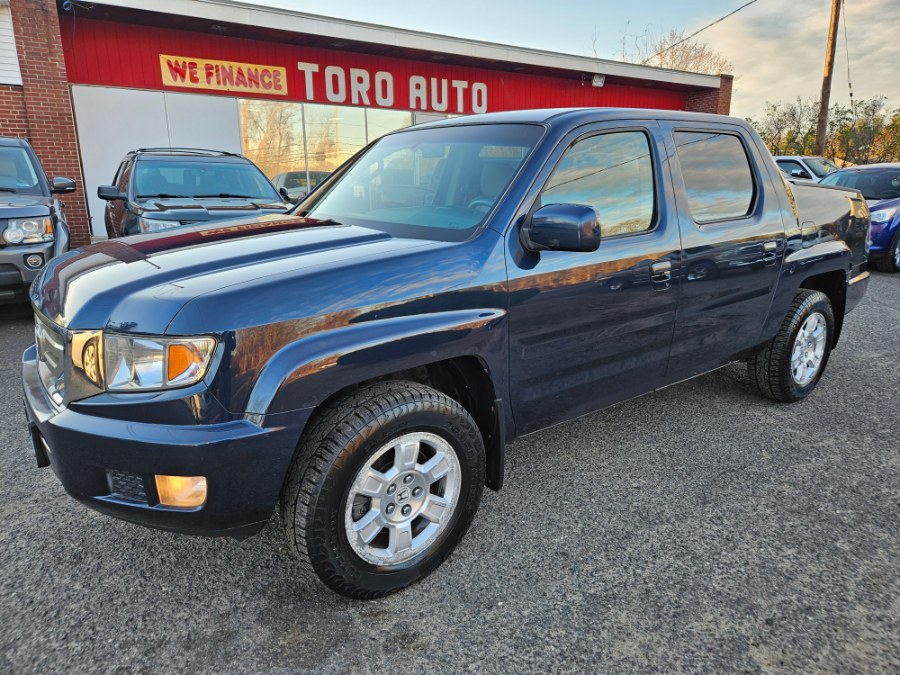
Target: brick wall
<point>716,101</point>
<point>41,108</point>
<point>13,120</point>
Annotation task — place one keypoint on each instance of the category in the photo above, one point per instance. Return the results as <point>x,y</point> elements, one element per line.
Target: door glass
<point>717,175</point>
<point>613,173</point>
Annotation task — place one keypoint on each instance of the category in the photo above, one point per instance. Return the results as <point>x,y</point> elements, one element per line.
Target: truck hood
<point>14,205</point>
<point>193,210</point>
<point>138,284</point>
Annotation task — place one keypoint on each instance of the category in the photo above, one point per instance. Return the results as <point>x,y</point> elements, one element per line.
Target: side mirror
<point>800,173</point>
<point>562,227</point>
<point>110,193</point>
<point>284,194</point>
<point>62,184</point>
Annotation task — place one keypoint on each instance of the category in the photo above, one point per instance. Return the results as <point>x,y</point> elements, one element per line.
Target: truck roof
<point>576,115</point>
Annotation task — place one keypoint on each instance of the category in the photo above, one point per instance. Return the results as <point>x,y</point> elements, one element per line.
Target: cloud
<point>778,51</point>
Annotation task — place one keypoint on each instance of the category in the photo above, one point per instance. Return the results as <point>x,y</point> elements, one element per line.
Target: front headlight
<point>28,231</point>
<point>140,363</point>
<point>136,363</point>
<point>151,225</point>
<point>884,215</point>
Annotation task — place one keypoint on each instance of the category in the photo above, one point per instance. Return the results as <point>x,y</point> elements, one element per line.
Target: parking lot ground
<point>699,528</point>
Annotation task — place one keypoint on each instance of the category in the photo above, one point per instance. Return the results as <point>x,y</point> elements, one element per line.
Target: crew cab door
<point>590,329</point>
<point>733,238</point>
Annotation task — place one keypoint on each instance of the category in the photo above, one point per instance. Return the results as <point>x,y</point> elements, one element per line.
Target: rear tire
<point>385,483</point>
<point>890,262</point>
<point>791,364</point>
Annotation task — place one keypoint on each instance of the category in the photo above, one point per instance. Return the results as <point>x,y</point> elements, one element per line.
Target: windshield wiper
<point>6,189</point>
<point>227,195</point>
<point>162,195</point>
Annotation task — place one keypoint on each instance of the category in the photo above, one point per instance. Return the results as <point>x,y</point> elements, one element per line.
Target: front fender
<point>304,373</point>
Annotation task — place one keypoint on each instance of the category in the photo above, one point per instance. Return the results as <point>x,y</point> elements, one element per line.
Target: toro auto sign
<point>353,86</point>
<point>105,53</point>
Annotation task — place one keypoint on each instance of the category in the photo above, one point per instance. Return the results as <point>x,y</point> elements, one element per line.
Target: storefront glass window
<point>298,145</point>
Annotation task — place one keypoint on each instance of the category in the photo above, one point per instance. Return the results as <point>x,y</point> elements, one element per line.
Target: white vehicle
<point>806,168</point>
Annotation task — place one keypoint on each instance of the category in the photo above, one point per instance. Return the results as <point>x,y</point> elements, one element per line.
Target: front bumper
<point>108,464</point>
<point>15,275</point>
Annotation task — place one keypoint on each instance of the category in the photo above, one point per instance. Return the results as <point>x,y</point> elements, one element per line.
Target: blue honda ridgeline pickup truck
<point>362,363</point>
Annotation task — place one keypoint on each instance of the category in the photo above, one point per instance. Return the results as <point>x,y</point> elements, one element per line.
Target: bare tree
<point>671,50</point>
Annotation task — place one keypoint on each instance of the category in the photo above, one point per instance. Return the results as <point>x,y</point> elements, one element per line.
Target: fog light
<point>35,261</point>
<point>183,491</point>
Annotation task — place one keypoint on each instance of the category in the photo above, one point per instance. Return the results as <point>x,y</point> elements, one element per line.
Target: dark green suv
<point>32,221</point>
<point>157,189</point>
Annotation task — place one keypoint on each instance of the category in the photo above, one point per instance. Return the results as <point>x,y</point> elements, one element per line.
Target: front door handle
<point>661,274</point>
<point>662,269</point>
<point>770,252</point>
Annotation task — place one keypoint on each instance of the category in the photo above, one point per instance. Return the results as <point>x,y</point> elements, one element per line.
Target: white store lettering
<point>359,87</point>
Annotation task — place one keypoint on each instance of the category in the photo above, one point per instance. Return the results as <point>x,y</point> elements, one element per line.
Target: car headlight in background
<point>151,225</point>
<point>884,215</point>
<point>134,363</point>
<point>28,231</point>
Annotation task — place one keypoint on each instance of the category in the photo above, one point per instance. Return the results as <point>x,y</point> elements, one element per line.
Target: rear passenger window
<point>612,173</point>
<point>716,174</point>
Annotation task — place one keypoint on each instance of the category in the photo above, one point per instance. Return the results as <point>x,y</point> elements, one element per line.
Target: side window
<point>716,174</point>
<point>790,165</point>
<point>613,173</point>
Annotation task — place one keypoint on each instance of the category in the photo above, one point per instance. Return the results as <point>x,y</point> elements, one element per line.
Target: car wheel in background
<point>891,261</point>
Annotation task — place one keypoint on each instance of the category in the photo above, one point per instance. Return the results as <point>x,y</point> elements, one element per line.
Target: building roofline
<point>242,13</point>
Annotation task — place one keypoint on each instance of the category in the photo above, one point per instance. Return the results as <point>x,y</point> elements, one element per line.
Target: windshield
<point>436,183</point>
<point>201,179</point>
<point>17,173</point>
<point>821,166</point>
<point>873,183</point>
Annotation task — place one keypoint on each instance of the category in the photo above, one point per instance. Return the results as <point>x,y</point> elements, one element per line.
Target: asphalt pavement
<point>697,529</point>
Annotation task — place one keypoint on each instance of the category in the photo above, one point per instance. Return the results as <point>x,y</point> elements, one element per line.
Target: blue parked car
<point>880,185</point>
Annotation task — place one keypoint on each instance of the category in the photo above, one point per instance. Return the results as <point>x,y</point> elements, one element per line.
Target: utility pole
<point>825,98</point>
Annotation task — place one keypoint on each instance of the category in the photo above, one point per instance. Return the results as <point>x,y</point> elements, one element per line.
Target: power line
<point>697,32</point>
<point>847,51</point>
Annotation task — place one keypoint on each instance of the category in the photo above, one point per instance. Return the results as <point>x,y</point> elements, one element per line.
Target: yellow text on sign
<point>193,73</point>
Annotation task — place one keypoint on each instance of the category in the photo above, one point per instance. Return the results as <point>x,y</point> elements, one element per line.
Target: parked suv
<point>298,184</point>
<point>33,225</point>
<point>806,168</point>
<point>362,364</point>
<point>158,189</point>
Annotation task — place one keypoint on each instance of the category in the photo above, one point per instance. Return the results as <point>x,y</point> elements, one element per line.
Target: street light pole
<point>825,98</point>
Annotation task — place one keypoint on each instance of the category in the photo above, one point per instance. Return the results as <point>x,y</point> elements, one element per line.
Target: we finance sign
<point>330,83</point>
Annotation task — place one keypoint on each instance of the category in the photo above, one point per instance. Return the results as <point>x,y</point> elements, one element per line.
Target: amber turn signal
<point>181,491</point>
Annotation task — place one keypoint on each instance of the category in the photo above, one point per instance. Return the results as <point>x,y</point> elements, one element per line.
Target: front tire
<point>890,262</point>
<point>790,365</point>
<point>385,483</point>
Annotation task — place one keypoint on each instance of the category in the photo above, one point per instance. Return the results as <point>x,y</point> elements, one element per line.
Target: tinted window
<point>17,173</point>
<point>437,183</point>
<point>821,166</point>
<point>198,179</point>
<point>790,165</point>
<point>613,173</point>
<point>873,183</point>
<point>716,174</point>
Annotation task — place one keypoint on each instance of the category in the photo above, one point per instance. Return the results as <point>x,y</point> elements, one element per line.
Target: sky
<point>777,46</point>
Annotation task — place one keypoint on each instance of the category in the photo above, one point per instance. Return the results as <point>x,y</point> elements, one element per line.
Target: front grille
<point>51,345</point>
<point>125,485</point>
